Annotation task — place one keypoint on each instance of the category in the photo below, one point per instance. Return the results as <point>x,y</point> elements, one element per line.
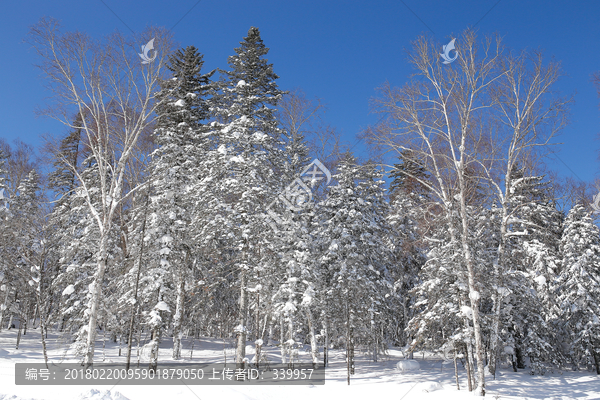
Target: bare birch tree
<point>440,117</point>
<point>106,83</point>
<point>472,121</point>
<point>529,115</point>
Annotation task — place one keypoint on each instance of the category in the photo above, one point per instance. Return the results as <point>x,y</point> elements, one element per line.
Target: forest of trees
<point>147,219</point>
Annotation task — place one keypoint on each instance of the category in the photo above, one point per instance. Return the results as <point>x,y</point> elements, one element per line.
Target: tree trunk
<point>240,351</point>
<point>95,300</point>
<point>4,307</point>
<point>349,346</point>
<point>495,336</point>
<point>19,334</point>
<point>177,319</point>
<point>156,333</point>
<point>497,297</point>
<point>314,350</point>
<point>43,332</point>
<point>290,338</point>
<point>25,318</point>
<point>456,371</point>
<point>135,305</point>
<point>520,358</point>
<point>35,312</point>
<point>469,369</point>
<point>374,346</point>
<point>282,344</point>
<point>326,344</point>
<point>474,295</point>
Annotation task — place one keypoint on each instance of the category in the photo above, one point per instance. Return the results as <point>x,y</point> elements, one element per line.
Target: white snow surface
<point>408,365</point>
<point>434,380</point>
<point>94,394</point>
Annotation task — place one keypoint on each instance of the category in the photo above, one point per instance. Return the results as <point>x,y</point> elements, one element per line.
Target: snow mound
<point>12,397</point>
<point>429,386</point>
<point>408,365</point>
<point>94,394</point>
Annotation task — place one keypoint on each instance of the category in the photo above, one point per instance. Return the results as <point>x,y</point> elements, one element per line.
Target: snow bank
<point>408,365</point>
<point>12,397</point>
<point>429,386</point>
<point>94,394</point>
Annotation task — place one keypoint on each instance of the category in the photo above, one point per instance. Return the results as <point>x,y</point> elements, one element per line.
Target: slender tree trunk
<point>104,343</point>
<point>178,317</point>
<point>456,370</point>
<point>193,343</point>
<point>314,350</point>
<point>95,300</point>
<point>474,295</point>
<point>349,344</point>
<point>135,306</point>
<point>156,333</point>
<point>19,333</point>
<point>290,338</point>
<point>282,344</point>
<point>497,297</point>
<point>469,368</point>
<point>35,312</point>
<point>4,307</point>
<point>240,351</point>
<point>326,340</point>
<point>25,319</point>
<point>495,334</point>
<point>596,353</point>
<point>43,332</point>
<point>374,346</point>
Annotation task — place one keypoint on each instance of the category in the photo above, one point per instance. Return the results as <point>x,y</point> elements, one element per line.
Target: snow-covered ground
<point>434,379</point>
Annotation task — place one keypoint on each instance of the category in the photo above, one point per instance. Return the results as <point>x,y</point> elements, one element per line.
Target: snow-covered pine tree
<point>63,182</point>
<point>408,217</point>
<point>293,292</point>
<point>5,238</point>
<point>30,246</point>
<point>353,257</point>
<point>525,285</point>
<point>578,288</point>
<point>245,165</point>
<point>181,137</point>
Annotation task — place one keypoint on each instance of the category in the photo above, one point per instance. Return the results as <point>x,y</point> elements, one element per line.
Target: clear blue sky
<point>339,51</point>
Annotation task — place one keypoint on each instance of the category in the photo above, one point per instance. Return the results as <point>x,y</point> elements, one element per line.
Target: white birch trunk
<point>240,351</point>
<point>95,301</point>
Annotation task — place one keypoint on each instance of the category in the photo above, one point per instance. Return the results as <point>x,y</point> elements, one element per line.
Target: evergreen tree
<point>180,135</point>
<point>579,287</point>
<point>353,257</point>
<point>242,169</point>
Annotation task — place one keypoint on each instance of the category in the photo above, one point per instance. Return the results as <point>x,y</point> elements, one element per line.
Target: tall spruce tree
<point>181,137</point>
<point>579,287</point>
<point>244,168</point>
<point>354,259</point>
